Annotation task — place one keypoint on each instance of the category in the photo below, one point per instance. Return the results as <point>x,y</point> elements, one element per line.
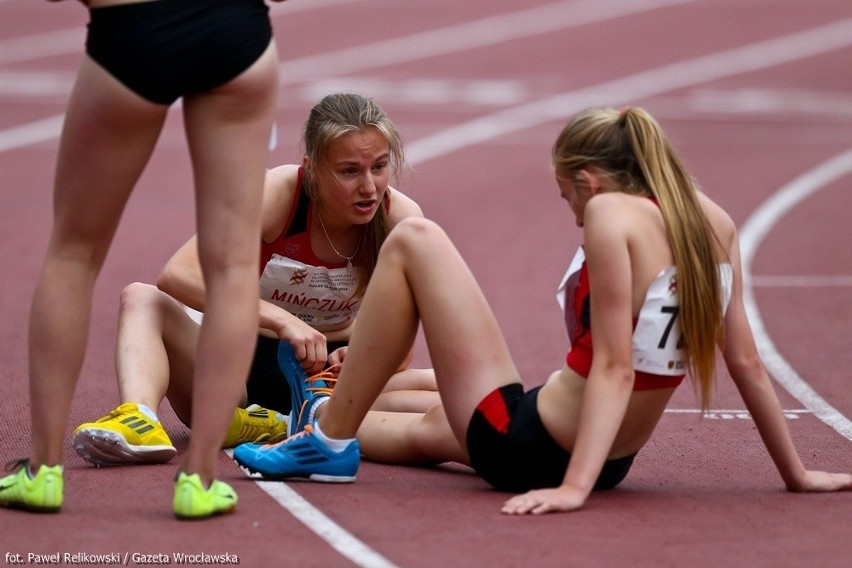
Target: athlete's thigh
<point>412,379</point>
<point>107,139</point>
<point>228,131</point>
<point>466,346</point>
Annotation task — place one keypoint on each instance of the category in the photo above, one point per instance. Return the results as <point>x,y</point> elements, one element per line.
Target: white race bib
<point>317,295</point>
<point>657,342</point>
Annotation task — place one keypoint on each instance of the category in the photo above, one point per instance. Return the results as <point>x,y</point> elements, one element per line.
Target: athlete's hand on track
<point>822,482</point>
<point>539,501</point>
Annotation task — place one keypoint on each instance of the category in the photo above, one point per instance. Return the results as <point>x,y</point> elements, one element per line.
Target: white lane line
<point>31,133</point>
<point>319,523</point>
<point>480,33</point>
<point>803,281</point>
<point>477,34</point>
<point>336,536</point>
<point>752,100</point>
<point>756,227</point>
<point>730,414</point>
<point>72,40</point>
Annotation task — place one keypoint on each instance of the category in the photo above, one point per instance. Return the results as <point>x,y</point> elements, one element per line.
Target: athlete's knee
<point>414,234</point>
<point>432,436</point>
<point>138,295</point>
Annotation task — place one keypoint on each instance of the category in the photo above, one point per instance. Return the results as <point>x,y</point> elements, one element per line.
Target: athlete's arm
<point>753,383</point>
<point>610,382</point>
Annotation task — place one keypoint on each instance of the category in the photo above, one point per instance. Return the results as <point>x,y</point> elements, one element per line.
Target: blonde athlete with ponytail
<point>655,289</point>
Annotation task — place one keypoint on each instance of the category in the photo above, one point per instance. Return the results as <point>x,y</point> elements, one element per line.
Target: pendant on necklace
<point>331,244</point>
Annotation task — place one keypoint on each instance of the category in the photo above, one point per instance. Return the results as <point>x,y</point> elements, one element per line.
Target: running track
<point>757,96</point>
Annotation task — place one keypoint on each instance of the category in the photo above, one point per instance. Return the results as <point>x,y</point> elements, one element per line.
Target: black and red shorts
<point>510,448</point>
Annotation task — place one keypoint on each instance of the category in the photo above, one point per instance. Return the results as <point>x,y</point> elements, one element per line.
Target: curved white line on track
<point>752,233</point>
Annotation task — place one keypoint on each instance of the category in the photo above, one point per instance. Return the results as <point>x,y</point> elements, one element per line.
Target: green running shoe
<point>42,493</point>
<point>192,501</point>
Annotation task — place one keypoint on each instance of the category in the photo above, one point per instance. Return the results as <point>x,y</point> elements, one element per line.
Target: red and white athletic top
<point>658,358</point>
<point>292,277</point>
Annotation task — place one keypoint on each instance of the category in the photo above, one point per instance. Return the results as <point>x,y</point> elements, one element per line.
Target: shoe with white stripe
<point>124,436</point>
<point>303,455</point>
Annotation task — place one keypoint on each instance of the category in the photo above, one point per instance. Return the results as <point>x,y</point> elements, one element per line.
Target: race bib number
<point>657,338</point>
<point>657,341</point>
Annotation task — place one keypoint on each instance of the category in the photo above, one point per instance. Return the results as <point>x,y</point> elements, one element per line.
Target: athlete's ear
<point>305,162</point>
<point>590,180</point>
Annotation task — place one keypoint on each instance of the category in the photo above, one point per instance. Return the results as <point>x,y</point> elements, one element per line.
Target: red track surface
<point>749,123</point>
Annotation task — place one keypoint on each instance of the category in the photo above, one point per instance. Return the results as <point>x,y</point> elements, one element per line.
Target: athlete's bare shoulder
<point>720,220</point>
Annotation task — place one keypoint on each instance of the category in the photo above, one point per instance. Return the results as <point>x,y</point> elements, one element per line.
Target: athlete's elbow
<point>616,373</point>
<point>743,363</point>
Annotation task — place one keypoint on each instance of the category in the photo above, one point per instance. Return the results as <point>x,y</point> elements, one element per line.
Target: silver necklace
<point>348,259</point>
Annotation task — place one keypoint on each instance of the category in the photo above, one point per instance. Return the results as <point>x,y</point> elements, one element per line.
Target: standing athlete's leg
<point>228,132</point>
<point>107,139</point>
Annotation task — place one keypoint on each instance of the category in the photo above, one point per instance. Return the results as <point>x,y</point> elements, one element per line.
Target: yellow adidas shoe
<point>124,436</point>
<point>255,424</point>
<point>42,493</point>
<point>192,501</point>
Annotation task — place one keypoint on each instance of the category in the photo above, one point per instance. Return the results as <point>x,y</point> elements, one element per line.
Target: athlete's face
<point>355,178</point>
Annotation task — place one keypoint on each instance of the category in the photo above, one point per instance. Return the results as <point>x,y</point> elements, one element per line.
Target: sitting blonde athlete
<point>338,201</point>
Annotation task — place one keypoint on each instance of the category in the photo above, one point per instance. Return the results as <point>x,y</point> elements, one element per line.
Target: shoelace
<point>308,429</point>
<point>324,375</point>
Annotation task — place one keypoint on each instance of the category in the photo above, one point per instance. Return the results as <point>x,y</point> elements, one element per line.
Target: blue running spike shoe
<point>305,392</point>
<point>304,455</point>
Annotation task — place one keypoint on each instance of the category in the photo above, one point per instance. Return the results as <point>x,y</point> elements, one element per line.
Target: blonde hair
<point>333,117</point>
<point>630,148</point>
